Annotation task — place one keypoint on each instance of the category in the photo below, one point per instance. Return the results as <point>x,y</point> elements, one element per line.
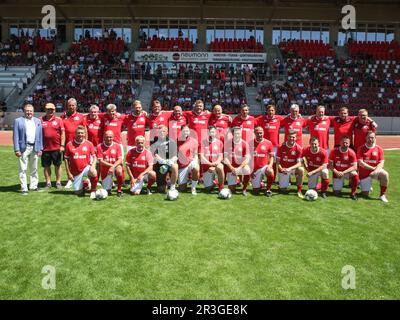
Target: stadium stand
<point>236,45</point>
<point>166,44</point>
<point>306,48</point>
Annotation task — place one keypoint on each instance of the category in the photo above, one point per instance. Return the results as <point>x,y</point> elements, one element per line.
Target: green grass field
<point>198,247</point>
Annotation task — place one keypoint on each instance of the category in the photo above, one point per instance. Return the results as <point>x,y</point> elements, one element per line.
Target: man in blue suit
<point>28,145</point>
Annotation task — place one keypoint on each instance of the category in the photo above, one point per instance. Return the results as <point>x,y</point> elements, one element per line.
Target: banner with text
<point>198,57</point>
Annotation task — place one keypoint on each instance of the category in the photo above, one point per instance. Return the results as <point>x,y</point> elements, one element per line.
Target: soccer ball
<point>164,169</point>
<point>225,194</point>
<point>101,194</point>
<point>311,195</point>
<point>172,195</point>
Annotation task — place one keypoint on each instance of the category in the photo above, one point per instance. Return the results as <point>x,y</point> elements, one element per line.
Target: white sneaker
<point>93,195</point>
<point>68,185</point>
<point>148,192</point>
<point>383,198</point>
<point>194,192</point>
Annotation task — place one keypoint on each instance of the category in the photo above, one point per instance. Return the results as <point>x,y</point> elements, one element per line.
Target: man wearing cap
<point>53,144</point>
<point>28,146</point>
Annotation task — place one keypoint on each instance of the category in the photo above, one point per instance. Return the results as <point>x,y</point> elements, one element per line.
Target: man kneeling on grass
<point>80,156</point>
<point>139,165</point>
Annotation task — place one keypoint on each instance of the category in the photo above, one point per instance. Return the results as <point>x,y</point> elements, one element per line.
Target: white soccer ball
<point>225,194</point>
<point>311,195</point>
<point>101,194</point>
<point>172,195</point>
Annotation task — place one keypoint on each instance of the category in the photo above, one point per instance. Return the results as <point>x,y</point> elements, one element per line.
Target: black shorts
<point>51,157</point>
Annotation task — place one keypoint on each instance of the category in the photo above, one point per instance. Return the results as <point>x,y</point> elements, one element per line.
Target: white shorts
<point>366,183</point>
<point>338,182</point>
<point>107,182</point>
<point>184,172</point>
<point>313,180</point>
<point>208,179</point>
<point>138,186</point>
<point>231,178</point>
<point>77,184</point>
<point>257,176</point>
<point>284,179</point>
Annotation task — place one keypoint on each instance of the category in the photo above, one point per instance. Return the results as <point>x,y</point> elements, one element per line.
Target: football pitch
<point>197,247</point>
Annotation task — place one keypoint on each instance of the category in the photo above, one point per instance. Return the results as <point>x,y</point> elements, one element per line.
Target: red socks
<point>383,190</point>
<point>354,180</point>
<point>246,180</point>
<point>270,181</point>
<point>324,185</point>
<point>93,181</point>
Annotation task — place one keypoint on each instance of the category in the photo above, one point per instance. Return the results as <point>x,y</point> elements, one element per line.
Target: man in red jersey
<point>289,161</point>
<point>53,144</point>
<point>110,159</point>
<point>342,126</point>
<point>211,156</point>
<point>220,121</point>
<point>370,166</point>
<point>157,118</point>
<point>236,160</point>
<point>135,123</point>
<point>188,160</point>
<point>197,120</point>
<point>71,120</point>
<point>93,125</point>
<point>318,125</point>
<point>80,157</point>
<point>246,122</point>
<point>270,124</point>
<point>343,163</point>
<point>176,121</point>
<point>294,122</point>
<point>361,126</point>
<point>316,163</point>
<point>139,165</point>
<point>112,120</point>
<point>263,157</point>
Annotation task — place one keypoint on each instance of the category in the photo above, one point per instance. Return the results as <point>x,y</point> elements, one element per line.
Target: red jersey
<point>155,121</point>
<point>211,151</point>
<point>319,128</point>
<point>198,123</point>
<point>138,161</point>
<point>52,130</point>
<point>262,153</point>
<point>371,156</point>
<point>315,160</point>
<point>71,123</point>
<point>287,156</point>
<point>186,152</point>
<point>95,133</point>
<point>175,124</point>
<point>342,128</point>
<point>247,126</point>
<point>296,125</point>
<point>342,160</point>
<point>115,125</point>
<point>238,152</point>
<point>360,131</point>
<point>79,155</point>
<point>222,124</point>
<point>271,128</point>
<point>110,154</point>
<point>136,126</point>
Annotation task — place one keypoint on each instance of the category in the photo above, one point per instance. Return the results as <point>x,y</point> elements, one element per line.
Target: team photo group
<point>173,150</point>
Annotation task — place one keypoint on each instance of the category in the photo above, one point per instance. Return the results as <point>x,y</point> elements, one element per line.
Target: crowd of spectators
<point>213,85</point>
<point>355,83</point>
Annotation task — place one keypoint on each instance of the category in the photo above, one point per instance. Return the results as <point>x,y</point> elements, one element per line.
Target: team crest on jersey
<point>293,153</point>
<point>54,123</point>
<point>249,122</point>
<point>240,149</point>
<point>215,147</point>
<point>76,118</point>
<point>318,159</point>
<point>263,148</point>
<point>323,122</point>
<point>374,153</point>
<point>161,119</point>
<point>91,126</point>
<point>297,123</point>
<point>113,151</point>
<point>143,158</point>
<point>345,158</point>
<point>84,149</point>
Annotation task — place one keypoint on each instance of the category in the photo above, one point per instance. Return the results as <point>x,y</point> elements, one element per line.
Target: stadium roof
<point>382,11</point>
